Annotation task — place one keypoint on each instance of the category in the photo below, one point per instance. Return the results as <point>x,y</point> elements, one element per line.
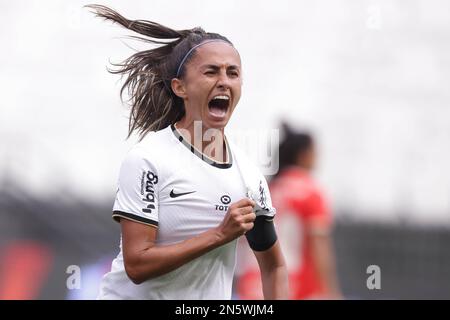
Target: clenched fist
<point>238,220</point>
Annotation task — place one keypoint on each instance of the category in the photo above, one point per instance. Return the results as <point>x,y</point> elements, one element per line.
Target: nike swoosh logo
<point>176,195</point>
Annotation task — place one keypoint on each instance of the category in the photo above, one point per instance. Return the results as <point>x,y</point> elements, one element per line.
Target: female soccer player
<point>185,193</point>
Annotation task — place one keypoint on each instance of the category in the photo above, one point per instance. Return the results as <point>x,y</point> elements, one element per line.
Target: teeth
<point>222,97</point>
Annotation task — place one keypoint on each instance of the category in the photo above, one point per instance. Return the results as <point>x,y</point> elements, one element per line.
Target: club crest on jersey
<point>262,196</point>
<point>148,181</point>
<point>225,201</point>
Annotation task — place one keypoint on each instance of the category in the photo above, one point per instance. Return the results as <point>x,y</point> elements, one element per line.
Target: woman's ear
<point>178,87</point>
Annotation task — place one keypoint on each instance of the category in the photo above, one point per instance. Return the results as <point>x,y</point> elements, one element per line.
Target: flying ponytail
<point>154,106</point>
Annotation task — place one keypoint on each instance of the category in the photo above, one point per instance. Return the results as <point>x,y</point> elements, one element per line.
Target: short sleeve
<point>256,184</point>
<point>137,192</point>
<point>317,213</point>
<point>261,195</point>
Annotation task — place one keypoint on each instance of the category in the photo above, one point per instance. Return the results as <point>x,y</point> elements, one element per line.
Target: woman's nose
<point>223,80</point>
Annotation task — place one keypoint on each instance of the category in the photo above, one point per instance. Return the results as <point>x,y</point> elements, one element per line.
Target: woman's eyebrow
<point>210,66</point>
<point>216,67</point>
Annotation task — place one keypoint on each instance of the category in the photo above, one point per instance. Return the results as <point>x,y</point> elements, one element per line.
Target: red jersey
<point>301,209</point>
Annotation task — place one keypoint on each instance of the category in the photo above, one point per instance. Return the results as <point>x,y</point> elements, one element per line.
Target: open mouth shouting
<point>218,106</point>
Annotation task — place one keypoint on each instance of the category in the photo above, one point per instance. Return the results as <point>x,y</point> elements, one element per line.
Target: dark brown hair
<point>293,144</point>
<point>154,106</point>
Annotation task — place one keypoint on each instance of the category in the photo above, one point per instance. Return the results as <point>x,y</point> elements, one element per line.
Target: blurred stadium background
<point>369,78</point>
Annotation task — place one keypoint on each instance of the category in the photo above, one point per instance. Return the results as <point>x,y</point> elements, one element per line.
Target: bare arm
<point>274,274</point>
<point>324,261</point>
<point>144,259</point>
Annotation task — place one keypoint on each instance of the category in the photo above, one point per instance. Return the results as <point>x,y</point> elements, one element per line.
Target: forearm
<point>155,260</point>
<point>275,283</point>
<point>274,275</point>
<point>144,259</point>
<point>323,256</point>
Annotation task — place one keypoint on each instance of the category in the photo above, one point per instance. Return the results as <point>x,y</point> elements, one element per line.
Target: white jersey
<point>166,183</point>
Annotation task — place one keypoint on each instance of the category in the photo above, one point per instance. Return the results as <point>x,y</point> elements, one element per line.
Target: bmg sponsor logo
<point>148,182</point>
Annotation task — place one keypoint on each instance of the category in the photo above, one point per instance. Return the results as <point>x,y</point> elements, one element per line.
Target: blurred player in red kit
<point>304,225</point>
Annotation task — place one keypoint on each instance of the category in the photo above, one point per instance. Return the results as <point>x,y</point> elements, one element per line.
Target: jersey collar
<point>201,155</point>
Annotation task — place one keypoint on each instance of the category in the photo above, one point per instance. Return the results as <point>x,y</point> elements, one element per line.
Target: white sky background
<point>370,78</point>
